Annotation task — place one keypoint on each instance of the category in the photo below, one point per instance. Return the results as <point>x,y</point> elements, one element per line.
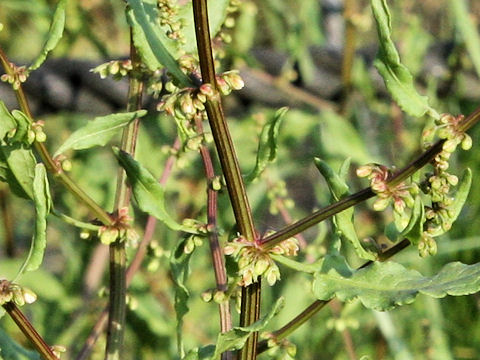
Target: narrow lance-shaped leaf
<point>179,265</point>
<point>150,40</point>
<point>148,193</point>
<point>267,146</point>
<point>98,131</point>
<point>54,35</point>
<point>397,78</point>
<point>383,286</point>
<point>344,220</point>
<point>236,338</point>
<point>42,201</point>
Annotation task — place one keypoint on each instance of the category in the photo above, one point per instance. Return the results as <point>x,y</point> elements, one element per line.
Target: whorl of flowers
<point>254,261</point>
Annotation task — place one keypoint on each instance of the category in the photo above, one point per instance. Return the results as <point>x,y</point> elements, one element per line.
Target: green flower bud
<point>207,296</point>
<point>219,297</point>
<point>108,235</point>
<point>381,204</point>
<point>466,142</point>
<point>261,265</point>
<point>272,275</point>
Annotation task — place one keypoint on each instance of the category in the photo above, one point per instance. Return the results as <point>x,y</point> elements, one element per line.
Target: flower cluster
<point>438,184</point>
<point>120,229</point>
<point>254,261</point>
<point>402,194</point>
<point>117,69</point>
<point>13,292</point>
<point>279,349</point>
<point>187,104</point>
<point>168,17</point>
<point>278,196</point>
<point>19,76</point>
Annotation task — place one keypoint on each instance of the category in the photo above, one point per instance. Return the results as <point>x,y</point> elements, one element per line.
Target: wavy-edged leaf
<point>344,220</point>
<point>397,78</point>
<point>151,41</point>
<point>267,145</point>
<point>236,338</point>
<point>383,286</point>
<point>7,122</point>
<point>21,169</point>
<point>148,193</point>
<point>42,201</point>
<point>468,31</point>
<point>55,33</point>
<point>98,131</point>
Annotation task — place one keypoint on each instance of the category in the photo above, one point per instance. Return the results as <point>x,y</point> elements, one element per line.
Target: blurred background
<point>290,53</point>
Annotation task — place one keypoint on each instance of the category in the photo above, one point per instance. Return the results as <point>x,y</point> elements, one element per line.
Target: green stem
<point>29,331</point>
<point>231,170</point>
<point>50,164</point>
<point>215,248</point>
<point>354,199</point>
<point>348,50</point>
<point>118,286</point>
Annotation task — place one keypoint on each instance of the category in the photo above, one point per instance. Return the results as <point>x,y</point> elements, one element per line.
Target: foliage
<point>198,147</point>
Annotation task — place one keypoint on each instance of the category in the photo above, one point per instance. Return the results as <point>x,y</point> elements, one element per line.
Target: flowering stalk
<point>250,308</point>
<point>118,286</point>
<point>425,158</point>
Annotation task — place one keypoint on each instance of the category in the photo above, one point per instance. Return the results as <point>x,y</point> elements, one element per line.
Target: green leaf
<point>397,78</point>
<point>21,169</point>
<point>296,265</point>
<point>98,131</point>
<point>344,220</point>
<point>54,35</point>
<point>42,200</point>
<point>151,41</point>
<point>340,139</point>
<point>468,31</point>
<point>180,267</point>
<point>23,123</point>
<point>7,122</point>
<point>236,338</point>
<point>267,146</point>
<point>148,193</point>
<point>414,230</point>
<point>11,350</point>
<point>383,286</point>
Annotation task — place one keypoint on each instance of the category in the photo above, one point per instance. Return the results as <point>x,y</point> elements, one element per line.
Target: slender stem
<point>118,285</point>
<point>50,164</point>
<point>354,199</point>
<point>317,305</point>
<point>231,170</point>
<point>29,331</point>
<point>7,222</point>
<point>348,49</point>
<point>215,248</point>
<point>101,323</point>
